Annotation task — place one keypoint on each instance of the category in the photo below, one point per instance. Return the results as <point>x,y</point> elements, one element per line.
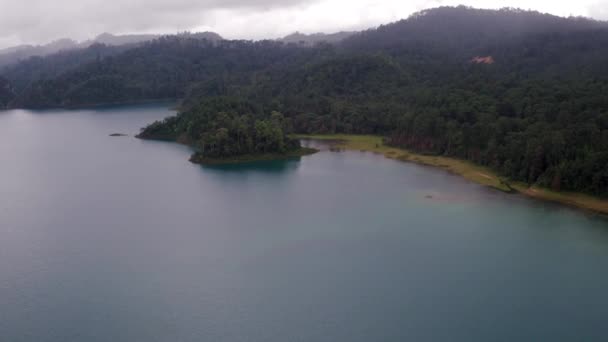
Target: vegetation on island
<point>519,93</point>
<point>228,130</point>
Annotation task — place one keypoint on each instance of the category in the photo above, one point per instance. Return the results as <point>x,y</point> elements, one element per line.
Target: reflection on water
<point>321,145</point>
<point>265,166</point>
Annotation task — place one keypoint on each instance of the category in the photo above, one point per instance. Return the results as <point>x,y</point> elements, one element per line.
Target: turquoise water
<point>116,239</point>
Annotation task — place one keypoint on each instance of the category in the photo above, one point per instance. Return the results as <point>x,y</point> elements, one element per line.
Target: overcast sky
<point>41,21</point>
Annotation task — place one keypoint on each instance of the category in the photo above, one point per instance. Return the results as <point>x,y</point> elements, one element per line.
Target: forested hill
<point>6,93</point>
<point>463,29</point>
<point>521,92</point>
<point>434,43</point>
<point>36,68</point>
<point>15,54</point>
<point>164,68</point>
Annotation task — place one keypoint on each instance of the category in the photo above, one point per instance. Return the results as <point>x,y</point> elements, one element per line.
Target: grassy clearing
<point>468,170</point>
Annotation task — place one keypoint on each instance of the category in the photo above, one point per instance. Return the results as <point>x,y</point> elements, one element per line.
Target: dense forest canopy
<point>30,70</point>
<point>164,68</point>
<point>521,92</point>
<point>6,92</point>
<point>226,127</point>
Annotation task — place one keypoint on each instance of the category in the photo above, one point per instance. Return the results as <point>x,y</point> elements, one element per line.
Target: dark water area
<point>117,239</point>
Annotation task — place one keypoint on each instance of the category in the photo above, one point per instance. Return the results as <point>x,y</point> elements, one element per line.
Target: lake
<point>116,239</point>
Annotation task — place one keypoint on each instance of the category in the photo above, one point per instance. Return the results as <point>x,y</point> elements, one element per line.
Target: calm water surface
<point>116,239</point>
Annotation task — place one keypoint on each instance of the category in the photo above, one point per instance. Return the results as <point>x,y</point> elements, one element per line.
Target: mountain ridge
<point>12,55</point>
<point>316,38</point>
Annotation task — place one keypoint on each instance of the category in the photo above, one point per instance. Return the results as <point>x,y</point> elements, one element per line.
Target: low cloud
<point>40,21</point>
<point>599,10</point>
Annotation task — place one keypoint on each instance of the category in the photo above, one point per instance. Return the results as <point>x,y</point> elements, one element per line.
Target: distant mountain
<point>30,69</point>
<point>210,36</point>
<point>431,46</point>
<point>110,39</point>
<point>463,28</point>
<point>164,68</point>
<point>57,45</point>
<point>315,38</point>
<point>15,54</point>
<point>36,68</point>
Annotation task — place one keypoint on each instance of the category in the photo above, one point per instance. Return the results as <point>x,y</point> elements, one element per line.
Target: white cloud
<point>599,10</point>
<point>37,21</point>
<point>557,7</point>
<point>322,16</point>
<point>336,15</point>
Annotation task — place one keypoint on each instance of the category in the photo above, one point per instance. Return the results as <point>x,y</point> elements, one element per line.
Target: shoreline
<point>195,158</point>
<point>475,173</point>
<point>95,105</point>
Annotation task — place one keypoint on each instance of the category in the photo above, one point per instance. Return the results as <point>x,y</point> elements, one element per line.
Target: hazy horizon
<point>38,22</point>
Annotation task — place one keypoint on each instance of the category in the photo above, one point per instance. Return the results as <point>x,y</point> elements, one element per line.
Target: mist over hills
<point>15,54</point>
<point>429,42</point>
<point>12,55</point>
<point>520,92</point>
<point>316,38</point>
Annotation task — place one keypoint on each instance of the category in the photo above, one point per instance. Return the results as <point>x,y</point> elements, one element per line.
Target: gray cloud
<point>39,21</point>
<point>599,10</point>
<point>42,20</point>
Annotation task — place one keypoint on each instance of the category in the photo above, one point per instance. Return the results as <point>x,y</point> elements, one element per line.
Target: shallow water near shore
<point>118,239</point>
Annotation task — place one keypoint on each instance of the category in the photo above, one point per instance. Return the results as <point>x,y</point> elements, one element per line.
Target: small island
<point>118,135</point>
<point>226,130</point>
